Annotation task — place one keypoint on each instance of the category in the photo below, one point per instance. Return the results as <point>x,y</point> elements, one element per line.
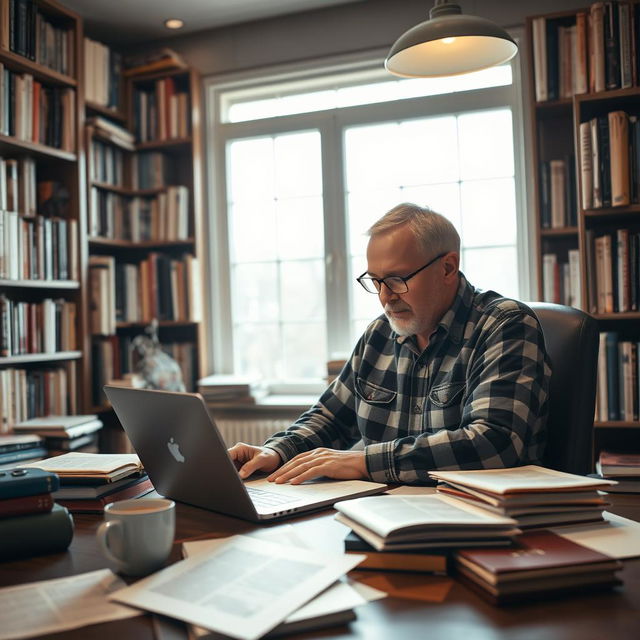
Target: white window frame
<point>331,124</point>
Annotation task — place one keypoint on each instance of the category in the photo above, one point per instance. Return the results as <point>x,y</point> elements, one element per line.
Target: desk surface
<point>463,614</point>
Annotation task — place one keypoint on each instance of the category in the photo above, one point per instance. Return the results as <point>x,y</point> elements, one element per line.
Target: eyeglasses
<point>395,284</point>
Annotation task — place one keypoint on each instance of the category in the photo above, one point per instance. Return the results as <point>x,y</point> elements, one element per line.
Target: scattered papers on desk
<point>617,537</point>
<point>51,606</point>
<point>243,588</point>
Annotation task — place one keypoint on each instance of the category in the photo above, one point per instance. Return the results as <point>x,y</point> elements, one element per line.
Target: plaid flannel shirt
<point>475,398</point>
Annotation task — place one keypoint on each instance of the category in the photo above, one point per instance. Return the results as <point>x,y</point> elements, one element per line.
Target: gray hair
<point>432,230</point>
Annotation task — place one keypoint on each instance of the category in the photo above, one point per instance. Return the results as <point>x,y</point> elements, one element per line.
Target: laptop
<point>186,458</point>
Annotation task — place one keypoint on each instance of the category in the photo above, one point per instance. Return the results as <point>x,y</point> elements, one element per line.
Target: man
<point>449,377</point>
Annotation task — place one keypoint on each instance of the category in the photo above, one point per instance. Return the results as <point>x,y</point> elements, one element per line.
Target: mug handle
<point>103,538</point>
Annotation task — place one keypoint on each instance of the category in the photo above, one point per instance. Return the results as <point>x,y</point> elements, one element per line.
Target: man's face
<point>418,311</point>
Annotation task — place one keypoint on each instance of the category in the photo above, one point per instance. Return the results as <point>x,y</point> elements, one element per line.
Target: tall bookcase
<point>42,212</point>
<point>144,229</point>
<point>585,65</point>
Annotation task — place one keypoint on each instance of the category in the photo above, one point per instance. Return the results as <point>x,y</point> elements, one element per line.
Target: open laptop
<point>187,460</point>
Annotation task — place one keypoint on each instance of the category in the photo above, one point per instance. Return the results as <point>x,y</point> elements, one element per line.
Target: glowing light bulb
<point>448,40</point>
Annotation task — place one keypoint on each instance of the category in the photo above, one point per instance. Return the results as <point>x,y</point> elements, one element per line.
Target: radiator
<point>249,431</point>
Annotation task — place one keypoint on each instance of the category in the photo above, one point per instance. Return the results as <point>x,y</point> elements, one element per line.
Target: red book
<point>41,503</point>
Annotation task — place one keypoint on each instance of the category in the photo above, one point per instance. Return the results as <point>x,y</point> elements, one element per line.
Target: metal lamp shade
<point>449,45</point>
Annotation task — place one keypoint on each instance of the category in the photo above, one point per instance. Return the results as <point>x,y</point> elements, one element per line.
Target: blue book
<point>27,482</point>
<point>24,454</point>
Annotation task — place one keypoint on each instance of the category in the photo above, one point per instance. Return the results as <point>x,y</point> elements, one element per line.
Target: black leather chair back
<point>571,337</point>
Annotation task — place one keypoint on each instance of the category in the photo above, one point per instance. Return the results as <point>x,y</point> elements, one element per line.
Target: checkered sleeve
<point>504,408</point>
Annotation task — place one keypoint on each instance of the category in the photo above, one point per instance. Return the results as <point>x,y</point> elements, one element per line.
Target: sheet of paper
<point>620,538</point>
<point>51,606</point>
<point>243,588</point>
<point>411,490</point>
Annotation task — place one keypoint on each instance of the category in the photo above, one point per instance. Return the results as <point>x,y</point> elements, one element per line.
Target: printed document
<point>51,606</point>
<point>242,588</point>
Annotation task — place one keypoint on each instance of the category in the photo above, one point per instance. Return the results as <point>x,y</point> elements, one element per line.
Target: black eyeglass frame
<point>404,279</point>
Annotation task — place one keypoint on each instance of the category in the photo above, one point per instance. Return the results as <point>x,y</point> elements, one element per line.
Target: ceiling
<point>135,21</point>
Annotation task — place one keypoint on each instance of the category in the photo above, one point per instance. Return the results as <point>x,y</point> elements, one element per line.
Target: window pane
<point>305,350</point>
<point>250,169</point>
<point>489,216</point>
<point>297,219</point>
<point>486,144</point>
<point>255,292</point>
<point>365,306</point>
<point>369,153</point>
<point>365,207</point>
<point>252,229</point>
<point>495,269</point>
<point>443,198</point>
<point>302,290</point>
<point>257,350</point>
<point>297,164</point>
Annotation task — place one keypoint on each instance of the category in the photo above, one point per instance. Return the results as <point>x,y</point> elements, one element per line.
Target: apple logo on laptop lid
<point>174,450</point>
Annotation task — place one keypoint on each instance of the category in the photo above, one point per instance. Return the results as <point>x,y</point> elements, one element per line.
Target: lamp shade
<point>449,43</point>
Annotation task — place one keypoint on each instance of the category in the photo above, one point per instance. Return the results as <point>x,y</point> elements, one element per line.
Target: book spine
<point>613,388</point>
<point>29,485</point>
<point>10,507</point>
<point>619,158</point>
<point>36,534</point>
<point>24,454</point>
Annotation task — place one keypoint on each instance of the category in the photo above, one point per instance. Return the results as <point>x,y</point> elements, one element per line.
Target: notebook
<point>186,458</point>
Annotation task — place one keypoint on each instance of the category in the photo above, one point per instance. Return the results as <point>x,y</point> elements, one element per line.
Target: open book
<point>107,467</point>
<point>422,522</point>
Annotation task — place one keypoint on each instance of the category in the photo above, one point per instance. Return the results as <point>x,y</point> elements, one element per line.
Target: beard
<point>402,326</point>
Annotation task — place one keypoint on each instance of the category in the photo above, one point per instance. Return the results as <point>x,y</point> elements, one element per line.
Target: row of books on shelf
<point>610,160</point>
<point>36,113</point>
<point>150,170</point>
<point>164,216</point>
<point>38,248</point>
<point>48,326</point>
<point>36,392</point>
<point>21,192</point>
<point>158,287</point>
<point>114,363</point>
<point>613,259</point>
<point>499,530</point>
<point>161,111</point>
<point>595,50</point>
<point>29,32</point>
<point>107,164</point>
<point>561,281</point>
<point>558,203</point>
<point>618,381</point>
<point>102,74</point>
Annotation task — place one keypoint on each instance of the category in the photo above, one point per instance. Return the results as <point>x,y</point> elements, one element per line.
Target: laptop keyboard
<point>262,498</point>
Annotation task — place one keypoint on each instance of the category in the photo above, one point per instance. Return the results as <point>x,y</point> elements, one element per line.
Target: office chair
<point>571,337</point>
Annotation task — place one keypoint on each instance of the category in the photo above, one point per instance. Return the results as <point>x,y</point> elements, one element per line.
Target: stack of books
<point>535,497</point>
<point>542,564</point>
<point>64,433</point>
<point>624,468</point>
<point>30,522</point>
<point>400,523</point>
<point>113,132</point>
<point>89,481</point>
<point>235,389</point>
<point>20,448</point>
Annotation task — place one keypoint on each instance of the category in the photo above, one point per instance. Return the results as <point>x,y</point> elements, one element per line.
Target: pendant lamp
<point>449,43</point>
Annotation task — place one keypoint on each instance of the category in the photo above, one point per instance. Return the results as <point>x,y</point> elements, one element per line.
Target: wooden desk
<point>463,615</point>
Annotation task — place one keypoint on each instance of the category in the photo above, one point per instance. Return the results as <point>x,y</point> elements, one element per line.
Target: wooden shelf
<point>41,284</point>
<point>30,358</point>
<point>616,424</point>
<point>143,246</point>
<point>628,210</point>
<point>96,108</point>
<point>161,324</point>
<point>174,143</point>
<point>11,145</point>
<point>126,191</point>
<point>626,315</point>
<point>561,231</point>
<point>17,62</point>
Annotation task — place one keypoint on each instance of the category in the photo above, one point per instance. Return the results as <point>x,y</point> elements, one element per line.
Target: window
<point>303,167</point>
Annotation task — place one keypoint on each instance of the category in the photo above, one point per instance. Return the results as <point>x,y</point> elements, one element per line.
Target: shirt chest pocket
<point>447,394</point>
<point>374,394</point>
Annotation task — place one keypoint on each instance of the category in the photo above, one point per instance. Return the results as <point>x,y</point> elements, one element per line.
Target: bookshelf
<point>42,201</point>
<point>585,65</point>
<point>144,238</point>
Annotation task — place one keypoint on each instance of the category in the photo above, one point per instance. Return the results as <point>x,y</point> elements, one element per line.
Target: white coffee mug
<point>137,535</point>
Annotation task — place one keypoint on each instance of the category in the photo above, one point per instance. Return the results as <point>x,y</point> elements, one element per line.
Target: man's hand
<point>248,459</point>
<point>341,465</point>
